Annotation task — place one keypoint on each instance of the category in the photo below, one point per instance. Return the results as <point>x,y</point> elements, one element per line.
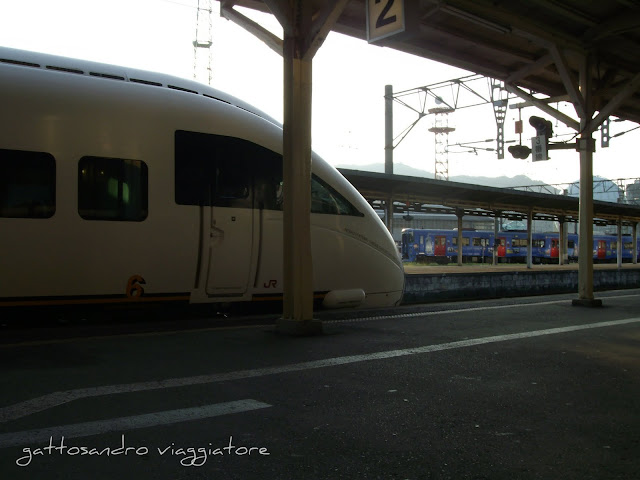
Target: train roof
<point>440,196</point>
<point>29,59</point>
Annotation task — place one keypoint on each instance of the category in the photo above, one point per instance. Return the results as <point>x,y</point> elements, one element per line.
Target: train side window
<point>465,241</point>
<point>216,170</point>
<point>325,199</point>
<point>268,181</point>
<point>112,189</point>
<point>27,184</point>
<point>223,171</point>
<point>480,242</point>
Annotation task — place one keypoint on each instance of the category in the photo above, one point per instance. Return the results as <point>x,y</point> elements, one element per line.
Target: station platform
<point>427,283</point>
<point>412,269</point>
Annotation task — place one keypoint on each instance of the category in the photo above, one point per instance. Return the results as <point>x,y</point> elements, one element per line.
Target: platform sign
<point>538,149</point>
<point>384,18</point>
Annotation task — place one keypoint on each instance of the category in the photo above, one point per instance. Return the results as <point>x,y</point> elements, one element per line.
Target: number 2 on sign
<point>382,21</point>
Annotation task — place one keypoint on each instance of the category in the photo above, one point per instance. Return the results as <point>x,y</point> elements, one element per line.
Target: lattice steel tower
<point>500,100</point>
<point>442,130</point>
<point>202,43</point>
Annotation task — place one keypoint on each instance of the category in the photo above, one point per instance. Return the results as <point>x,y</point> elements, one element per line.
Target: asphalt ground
<point>529,388</point>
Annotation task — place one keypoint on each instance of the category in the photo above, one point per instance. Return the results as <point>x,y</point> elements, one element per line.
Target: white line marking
<point>129,423</point>
<point>462,310</point>
<point>55,399</point>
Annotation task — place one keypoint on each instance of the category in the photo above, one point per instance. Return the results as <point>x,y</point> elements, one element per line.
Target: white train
<point>119,185</point>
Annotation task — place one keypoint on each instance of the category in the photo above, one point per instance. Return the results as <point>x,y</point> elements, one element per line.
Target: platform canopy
<point>416,194</point>
<point>531,45</point>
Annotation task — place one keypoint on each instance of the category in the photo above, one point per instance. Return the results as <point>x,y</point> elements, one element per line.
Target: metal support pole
<point>496,224</point>
<point>562,241</point>
<point>388,129</point>
<point>459,214</point>
<point>388,214</point>
<point>619,244</point>
<point>530,239</point>
<point>635,244</point>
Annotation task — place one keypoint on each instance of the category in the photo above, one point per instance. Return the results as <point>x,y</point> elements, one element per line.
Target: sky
<point>349,78</point>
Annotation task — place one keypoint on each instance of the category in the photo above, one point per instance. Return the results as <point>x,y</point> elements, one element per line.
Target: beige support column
<point>298,268</point>
<point>585,255</point>
<point>305,29</point>
<point>586,146</point>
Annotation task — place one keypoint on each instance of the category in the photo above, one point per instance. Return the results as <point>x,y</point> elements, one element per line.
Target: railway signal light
<point>540,143</point>
<point>543,126</point>
<point>519,151</point>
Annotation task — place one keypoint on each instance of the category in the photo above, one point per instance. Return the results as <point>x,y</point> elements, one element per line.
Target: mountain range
<point>604,189</point>
<point>402,169</point>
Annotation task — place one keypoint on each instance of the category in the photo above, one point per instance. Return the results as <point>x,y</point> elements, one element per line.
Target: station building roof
<point>439,196</point>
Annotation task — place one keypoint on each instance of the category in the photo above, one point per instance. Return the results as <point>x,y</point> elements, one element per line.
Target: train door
<point>502,246</point>
<point>229,231</point>
<point>407,245</point>
<point>555,248</point>
<point>230,247</point>
<point>440,246</point>
<point>602,249</point>
<point>216,173</point>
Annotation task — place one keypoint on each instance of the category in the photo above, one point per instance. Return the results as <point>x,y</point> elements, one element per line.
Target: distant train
<point>441,246</point>
<point>124,186</point>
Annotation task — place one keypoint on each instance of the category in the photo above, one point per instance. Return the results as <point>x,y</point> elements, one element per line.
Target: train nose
<point>351,298</point>
<point>389,284</point>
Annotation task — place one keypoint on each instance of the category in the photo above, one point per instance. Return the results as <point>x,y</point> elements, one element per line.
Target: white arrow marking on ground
<point>168,417</point>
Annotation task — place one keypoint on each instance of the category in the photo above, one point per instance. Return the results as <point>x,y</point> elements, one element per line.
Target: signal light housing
<point>519,151</point>
<point>544,131</point>
<point>543,126</point>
